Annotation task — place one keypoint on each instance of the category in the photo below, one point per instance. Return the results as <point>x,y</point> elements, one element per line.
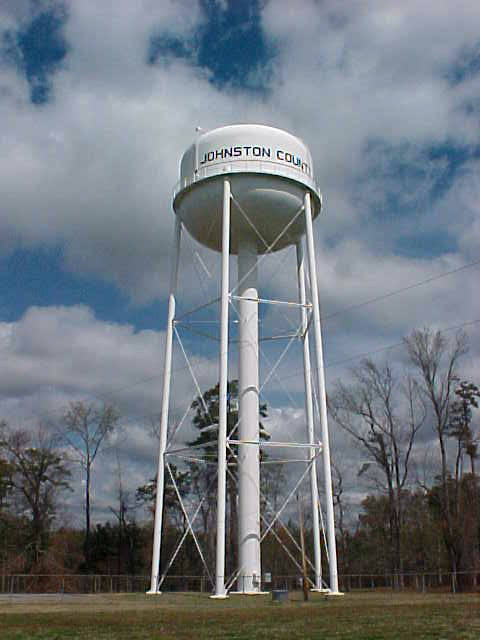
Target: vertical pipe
<point>309,413</point>
<point>222,392</point>
<point>157,531</point>
<point>332,550</point>
<point>248,454</point>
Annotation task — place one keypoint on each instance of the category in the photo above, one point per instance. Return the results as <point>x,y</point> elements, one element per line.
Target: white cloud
<point>349,74</point>
<point>15,12</point>
<point>54,355</point>
<point>69,350</point>
<point>92,171</point>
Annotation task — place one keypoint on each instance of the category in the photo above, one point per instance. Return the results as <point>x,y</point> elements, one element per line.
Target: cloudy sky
<point>98,100</point>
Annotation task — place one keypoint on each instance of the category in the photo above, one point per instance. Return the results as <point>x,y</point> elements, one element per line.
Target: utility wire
<point>328,365</point>
<point>337,313</point>
<point>390,294</point>
<point>409,287</point>
<point>387,347</point>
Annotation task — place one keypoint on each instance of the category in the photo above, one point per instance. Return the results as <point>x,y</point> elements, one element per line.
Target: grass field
<point>357,616</point>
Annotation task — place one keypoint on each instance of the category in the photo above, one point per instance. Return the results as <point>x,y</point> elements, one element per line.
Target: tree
<point>5,483</point>
<point>87,431</point>
<point>8,525</point>
<point>203,474</point>
<point>436,358</point>
<point>467,396</point>
<point>422,549</point>
<point>146,494</point>
<point>339,505</point>
<point>37,473</point>
<point>384,417</point>
<point>174,521</point>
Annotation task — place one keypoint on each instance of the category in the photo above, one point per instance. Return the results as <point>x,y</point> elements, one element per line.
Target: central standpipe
<point>248,415</point>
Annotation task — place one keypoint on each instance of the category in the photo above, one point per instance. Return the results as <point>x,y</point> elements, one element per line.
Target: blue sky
<point>99,100</point>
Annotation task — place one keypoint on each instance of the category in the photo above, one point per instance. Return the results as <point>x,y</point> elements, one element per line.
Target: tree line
<point>420,517</point>
<point>416,437</point>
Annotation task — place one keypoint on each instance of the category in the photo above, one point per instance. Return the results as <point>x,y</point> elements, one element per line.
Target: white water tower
<point>248,190</point>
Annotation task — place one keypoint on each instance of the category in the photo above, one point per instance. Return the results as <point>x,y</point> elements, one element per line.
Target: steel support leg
<point>332,549</point>
<point>157,531</point>
<point>309,414</point>
<point>220,591</point>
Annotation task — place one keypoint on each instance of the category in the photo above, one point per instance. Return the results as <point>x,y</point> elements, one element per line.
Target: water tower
<point>248,190</point>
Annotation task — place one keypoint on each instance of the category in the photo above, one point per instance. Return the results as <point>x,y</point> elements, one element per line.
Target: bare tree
<point>340,506</point>
<point>87,429</point>
<point>436,358</point>
<point>37,472</point>
<point>384,417</point>
<point>5,470</point>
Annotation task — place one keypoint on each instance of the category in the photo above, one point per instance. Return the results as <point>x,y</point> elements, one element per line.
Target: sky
<point>98,101</point>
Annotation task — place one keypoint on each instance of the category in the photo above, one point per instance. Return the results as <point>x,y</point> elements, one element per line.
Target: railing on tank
<point>247,166</point>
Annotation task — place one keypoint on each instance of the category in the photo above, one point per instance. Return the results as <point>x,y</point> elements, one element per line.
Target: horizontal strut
<point>293,445</point>
<point>307,305</point>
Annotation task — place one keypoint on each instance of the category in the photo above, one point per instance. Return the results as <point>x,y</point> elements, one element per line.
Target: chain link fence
<point>77,584</point>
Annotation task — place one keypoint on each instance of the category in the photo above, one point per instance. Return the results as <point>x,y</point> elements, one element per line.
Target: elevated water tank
<point>268,171</point>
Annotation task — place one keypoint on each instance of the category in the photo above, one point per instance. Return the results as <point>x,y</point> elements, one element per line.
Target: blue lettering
<point>257,152</point>
<point>305,168</point>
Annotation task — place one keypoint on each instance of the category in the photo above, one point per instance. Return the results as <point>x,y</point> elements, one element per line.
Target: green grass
<point>358,616</point>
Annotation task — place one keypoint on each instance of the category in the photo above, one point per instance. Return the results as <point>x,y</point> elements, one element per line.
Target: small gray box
<point>280,596</point>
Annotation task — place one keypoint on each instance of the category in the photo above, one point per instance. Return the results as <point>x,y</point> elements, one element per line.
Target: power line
<point>335,314</point>
<point>390,294</point>
<point>294,374</point>
<point>393,345</point>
